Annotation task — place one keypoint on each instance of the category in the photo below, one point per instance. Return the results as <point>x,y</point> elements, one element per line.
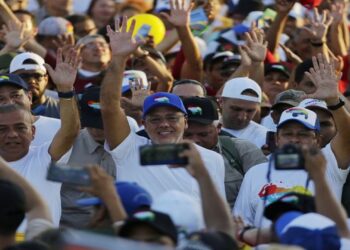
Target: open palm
<point>121,41</point>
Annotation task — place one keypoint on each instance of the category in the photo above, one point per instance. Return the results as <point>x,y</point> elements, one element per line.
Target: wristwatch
<point>66,95</point>
<point>340,104</point>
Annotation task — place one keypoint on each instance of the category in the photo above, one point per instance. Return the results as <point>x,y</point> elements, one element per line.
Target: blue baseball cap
<point>13,80</point>
<point>160,99</point>
<point>133,197</point>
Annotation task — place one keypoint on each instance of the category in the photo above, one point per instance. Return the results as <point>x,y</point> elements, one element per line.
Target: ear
<point>30,96</point>
<point>186,123</point>
<point>218,127</point>
<point>33,131</point>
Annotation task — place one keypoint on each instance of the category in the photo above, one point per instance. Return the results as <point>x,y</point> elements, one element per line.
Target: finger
<point>176,4</point>
<point>172,7</point>
<point>315,64</point>
<point>116,24</point>
<point>123,28</point>
<point>49,69</point>
<point>253,36</point>
<point>59,58</point>
<point>109,31</point>
<point>190,7</point>
<point>248,39</point>
<point>132,26</point>
<point>182,4</point>
<point>70,39</point>
<point>324,16</point>
<point>316,15</point>
<point>165,15</point>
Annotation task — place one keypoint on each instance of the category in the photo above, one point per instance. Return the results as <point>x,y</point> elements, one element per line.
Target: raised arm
<point>325,78</point>
<point>276,29</point>
<point>215,210</point>
<point>64,77</point>
<point>315,164</point>
<point>180,18</point>
<point>337,42</point>
<point>122,44</point>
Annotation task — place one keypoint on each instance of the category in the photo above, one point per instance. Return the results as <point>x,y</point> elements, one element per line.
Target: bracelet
<point>241,233</point>
<point>340,104</point>
<point>66,95</point>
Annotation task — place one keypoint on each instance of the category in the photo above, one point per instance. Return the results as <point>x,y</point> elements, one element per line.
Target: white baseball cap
<point>34,62</point>
<point>236,86</point>
<point>316,104</point>
<point>304,116</point>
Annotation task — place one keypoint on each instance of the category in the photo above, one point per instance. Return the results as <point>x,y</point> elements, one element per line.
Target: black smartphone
<point>160,154</point>
<point>69,175</point>
<point>271,140</point>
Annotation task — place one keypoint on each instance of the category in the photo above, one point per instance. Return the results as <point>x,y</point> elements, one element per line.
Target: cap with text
<point>303,116</point>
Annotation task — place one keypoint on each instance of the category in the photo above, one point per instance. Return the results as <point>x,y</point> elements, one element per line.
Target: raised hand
<point>319,26</point>
<point>121,41</point>
<point>179,14</point>
<point>291,56</point>
<point>255,47</point>
<point>66,70</point>
<point>325,77</point>
<point>139,92</point>
<point>337,12</point>
<point>16,34</point>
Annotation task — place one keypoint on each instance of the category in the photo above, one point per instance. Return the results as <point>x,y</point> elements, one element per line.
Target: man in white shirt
<point>264,184</point>
<point>164,119</point>
<point>241,98</point>
<point>17,132</point>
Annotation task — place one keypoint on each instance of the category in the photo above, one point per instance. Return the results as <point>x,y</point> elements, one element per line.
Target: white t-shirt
<point>33,167</point>
<point>254,133</point>
<point>255,188</point>
<point>45,130</point>
<point>159,179</point>
<point>268,123</point>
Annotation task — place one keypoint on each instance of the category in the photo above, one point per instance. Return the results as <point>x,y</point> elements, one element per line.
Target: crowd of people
<point>174,124</point>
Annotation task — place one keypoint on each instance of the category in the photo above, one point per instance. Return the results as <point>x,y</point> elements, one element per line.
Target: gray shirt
<point>50,108</point>
<point>246,155</point>
<point>85,151</point>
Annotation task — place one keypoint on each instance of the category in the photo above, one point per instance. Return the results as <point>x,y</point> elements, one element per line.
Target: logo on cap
<point>145,216</point>
<point>162,99</point>
<point>296,112</point>
<point>195,110</point>
<point>93,104</point>
<point>4,78</point>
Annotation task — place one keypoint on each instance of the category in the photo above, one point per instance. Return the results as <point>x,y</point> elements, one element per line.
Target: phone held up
<point>161,154</point>
<point>67,174</point>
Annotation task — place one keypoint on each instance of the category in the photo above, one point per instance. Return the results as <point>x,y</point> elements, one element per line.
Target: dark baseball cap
<point>158,221</point>
<point>291,201</point>
<point>291,97</point>
<point>13,80</point>
<point>277,67</point>
<point>201,110</point>
<point>90,110</point>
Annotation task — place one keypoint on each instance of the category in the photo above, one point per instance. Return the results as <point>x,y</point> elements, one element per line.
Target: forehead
<point>32,71</point>
<point>293,125</point>
<point>9,88</point>
<point>15,117</point>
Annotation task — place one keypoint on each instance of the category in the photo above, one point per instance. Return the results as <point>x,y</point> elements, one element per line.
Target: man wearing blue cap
<point>164,119</point>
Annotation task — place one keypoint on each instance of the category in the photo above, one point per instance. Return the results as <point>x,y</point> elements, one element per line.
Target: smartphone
<point>160,154</point>
<point>69,175</point>
<point>143,31</point>
<point>271,140</point>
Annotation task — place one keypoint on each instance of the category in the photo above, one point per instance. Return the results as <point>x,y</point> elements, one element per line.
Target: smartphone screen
<point>66,174</point>
<point>161,154</point>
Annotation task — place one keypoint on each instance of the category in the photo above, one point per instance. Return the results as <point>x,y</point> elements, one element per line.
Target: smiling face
<point>16,133</point>
<point>165,125</point>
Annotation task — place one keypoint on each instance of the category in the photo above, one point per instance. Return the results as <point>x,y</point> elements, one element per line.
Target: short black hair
<point>78,18</point>
<point>303,67</point>
<point>12,209</point>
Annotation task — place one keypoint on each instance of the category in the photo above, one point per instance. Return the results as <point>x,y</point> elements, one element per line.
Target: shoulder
<point>47,121</point>
<point>207,154</point>
<point>255,125</point>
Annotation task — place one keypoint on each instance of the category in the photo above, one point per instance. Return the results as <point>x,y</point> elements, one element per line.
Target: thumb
<point>165,15</point>
<point>49,69</point>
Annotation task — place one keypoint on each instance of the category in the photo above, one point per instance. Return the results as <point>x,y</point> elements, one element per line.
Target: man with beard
<point>30,67</point>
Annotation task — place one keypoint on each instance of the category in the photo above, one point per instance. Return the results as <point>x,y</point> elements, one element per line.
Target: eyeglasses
<point>27,76</point>
<point>156,120</point>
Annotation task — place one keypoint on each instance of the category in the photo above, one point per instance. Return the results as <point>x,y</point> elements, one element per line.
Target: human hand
<point>315,163</point>
<point>66,70</point>
<point>319,26</point>
<point>179,14</point>
<point>139,92</point>
<point>326,78</point>
<point>291,56</point>
<point>102,184</point>
<point>337,12</point>
<point>255,47</point>
<point>121,41</point>
<point>16,34</point>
